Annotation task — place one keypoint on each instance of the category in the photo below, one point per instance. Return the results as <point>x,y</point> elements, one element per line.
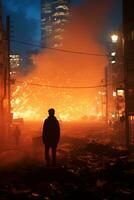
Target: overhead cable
<point>68,87</point>
<point>60,50</point>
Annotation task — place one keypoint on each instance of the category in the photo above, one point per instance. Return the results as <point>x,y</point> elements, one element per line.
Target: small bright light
<point>114,38</point>
<point>120,92</point>
<point>113,53</point>
<point>99,92</point>
<point>113,61</point>
<point>114,94</point>
<point>113,115</point>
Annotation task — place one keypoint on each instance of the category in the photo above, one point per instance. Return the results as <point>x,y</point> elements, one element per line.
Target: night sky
<point>25,21</point>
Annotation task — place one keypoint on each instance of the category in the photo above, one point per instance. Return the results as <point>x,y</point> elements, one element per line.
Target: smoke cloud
<point>59,68</point>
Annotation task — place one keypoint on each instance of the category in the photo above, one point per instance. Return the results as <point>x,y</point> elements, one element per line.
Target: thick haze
<point>57,68</point>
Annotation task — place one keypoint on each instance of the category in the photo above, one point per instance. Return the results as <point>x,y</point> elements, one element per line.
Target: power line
<point>62,50</point>
<point>69,87</point>
<point>62,87</point>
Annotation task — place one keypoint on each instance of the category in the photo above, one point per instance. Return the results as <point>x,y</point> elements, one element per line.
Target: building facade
<point>15,65</point>
<point>120,79</point>
<point>4,84</point>
<point>54,15</point>
<point>128,34</point>
<point>114,73</point>
<point>115,96</point>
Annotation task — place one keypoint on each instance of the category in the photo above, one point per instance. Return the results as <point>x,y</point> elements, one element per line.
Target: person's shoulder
<point>45,120</point>
<point>57,121</point>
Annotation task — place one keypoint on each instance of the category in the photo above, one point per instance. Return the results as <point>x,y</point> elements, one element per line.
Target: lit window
<point>131,35</point>
<point>120,92</point>
<point>114,94</point>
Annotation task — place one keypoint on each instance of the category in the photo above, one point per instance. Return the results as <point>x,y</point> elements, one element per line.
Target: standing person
<point>17,134</point>
<point>51,136</point>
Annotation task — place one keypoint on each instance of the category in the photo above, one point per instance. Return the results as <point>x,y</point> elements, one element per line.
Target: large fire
<point>31,100</point>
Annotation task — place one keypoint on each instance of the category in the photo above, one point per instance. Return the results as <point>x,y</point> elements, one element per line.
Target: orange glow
<point>35,101</point>
<point>65,69</point>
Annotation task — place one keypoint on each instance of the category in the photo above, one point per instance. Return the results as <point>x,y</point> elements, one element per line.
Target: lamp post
<point>114,38</point>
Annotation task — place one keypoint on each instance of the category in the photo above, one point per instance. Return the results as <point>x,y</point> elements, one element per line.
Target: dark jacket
<point>51,131</point>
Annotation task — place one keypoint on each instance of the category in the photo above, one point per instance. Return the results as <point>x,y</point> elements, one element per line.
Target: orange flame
<point>64,69</point>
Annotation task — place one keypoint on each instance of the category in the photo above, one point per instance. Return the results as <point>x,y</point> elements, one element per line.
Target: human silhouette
<point>51,136</point>
<point>17,134</point>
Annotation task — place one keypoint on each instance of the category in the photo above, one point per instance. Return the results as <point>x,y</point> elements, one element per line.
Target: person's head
<point>51,112</point>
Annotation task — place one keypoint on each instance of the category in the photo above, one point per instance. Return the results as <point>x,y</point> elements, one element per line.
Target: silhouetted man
<point>51,135</point>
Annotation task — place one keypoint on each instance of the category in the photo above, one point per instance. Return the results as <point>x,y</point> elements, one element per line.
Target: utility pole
<point>106,90</point>
<point>8,74</point>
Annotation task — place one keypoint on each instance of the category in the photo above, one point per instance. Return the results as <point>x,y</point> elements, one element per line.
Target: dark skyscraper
<point>128,32</point>
<point>128,25</point>
<point>54,15</point>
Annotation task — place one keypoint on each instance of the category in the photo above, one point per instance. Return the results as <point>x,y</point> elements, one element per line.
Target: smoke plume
<point>59,68</point>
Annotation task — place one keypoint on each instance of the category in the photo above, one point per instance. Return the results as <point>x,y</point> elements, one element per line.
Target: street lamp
<point>114,38</point>
<point>113,53</point>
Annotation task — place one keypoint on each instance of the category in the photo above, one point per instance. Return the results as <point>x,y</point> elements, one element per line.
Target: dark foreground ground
<point>85,170</point>
<point>92,172</point>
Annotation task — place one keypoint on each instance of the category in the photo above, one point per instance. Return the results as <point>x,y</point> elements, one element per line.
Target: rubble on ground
<point>94,171</point>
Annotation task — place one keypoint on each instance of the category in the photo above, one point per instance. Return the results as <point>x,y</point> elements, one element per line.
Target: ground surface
<point>88,168</point>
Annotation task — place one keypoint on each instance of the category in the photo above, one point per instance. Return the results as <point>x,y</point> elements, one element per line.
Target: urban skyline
<point>54,16</point>
<point>29,16</point>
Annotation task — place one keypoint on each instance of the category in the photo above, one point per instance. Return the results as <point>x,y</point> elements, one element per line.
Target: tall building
<point>128,25</point>
<point>128,33</point>
<point>46,23</point>
<point>15,64</point>
<point>115,101</point>
<point>120,79</point>
<point>115,77</point>
<point>54,15</point>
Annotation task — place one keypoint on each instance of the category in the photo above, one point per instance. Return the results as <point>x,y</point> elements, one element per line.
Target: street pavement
<point>87,168</point>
